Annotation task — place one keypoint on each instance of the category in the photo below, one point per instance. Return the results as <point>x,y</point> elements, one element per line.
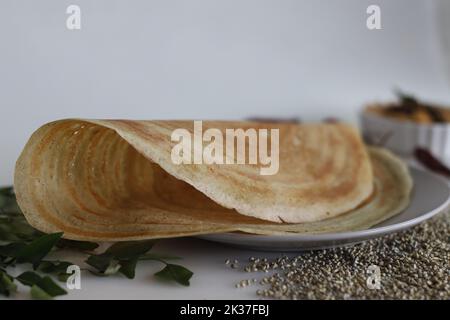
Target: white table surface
<point>212,278</point>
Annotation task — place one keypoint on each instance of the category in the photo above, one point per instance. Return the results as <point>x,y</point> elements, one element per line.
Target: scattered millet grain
<point>413,264</point>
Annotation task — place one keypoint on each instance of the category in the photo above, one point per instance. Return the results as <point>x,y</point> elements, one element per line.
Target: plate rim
<point>346,235</point>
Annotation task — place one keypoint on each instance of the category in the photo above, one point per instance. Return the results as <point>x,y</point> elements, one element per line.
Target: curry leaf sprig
<point>122,257</point>
<point>30,253</point>
<point>21,244</point>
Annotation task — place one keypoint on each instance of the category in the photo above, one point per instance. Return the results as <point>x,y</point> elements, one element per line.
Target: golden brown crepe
<point>114,180</point>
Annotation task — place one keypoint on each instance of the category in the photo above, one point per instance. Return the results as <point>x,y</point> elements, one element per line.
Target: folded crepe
<point>115,180</point>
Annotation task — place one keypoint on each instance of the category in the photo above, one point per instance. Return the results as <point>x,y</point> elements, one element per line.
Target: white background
<point>204,59</point>
<point>209,59</point>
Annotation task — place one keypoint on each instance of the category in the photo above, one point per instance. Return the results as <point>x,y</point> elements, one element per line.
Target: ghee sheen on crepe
<point>115,180</point>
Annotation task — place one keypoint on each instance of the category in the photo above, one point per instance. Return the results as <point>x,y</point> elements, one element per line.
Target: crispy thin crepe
<point>114,180</point>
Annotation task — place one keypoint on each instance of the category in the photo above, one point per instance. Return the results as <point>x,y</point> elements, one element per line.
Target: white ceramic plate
<point>431,195</point>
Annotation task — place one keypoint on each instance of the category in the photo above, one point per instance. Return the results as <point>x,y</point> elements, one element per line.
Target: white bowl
<point>403,137</point>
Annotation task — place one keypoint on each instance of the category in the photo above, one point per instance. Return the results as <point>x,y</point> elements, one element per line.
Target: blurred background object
<point>409,124</point>
<point>221,59</point>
